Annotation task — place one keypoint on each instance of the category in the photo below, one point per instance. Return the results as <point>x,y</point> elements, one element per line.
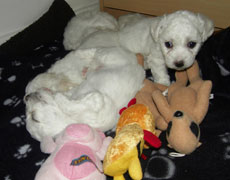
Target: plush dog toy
<point>183,109</point>
<point>135,126</point>
<point>75,154</point>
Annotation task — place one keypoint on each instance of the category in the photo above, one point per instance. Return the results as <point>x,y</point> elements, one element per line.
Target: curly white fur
<point>87,86</point>
<point>168,41</point>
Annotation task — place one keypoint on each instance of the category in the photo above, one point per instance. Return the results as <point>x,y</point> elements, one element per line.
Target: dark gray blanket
<point>20,155</point>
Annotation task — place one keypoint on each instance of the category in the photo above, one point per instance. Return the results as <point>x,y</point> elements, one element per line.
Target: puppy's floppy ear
<point>158,26</point>
<point>205,25</point>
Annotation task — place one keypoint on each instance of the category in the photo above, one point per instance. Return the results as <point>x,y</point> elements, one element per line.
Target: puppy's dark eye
<point>191,44</point>
<point>168,44</point>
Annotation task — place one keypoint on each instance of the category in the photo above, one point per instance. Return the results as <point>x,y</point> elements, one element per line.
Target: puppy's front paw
<point>164,81</point>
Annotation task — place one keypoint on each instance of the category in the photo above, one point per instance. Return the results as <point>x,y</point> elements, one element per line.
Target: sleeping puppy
<point>168,41</point>
<point>86,86</point>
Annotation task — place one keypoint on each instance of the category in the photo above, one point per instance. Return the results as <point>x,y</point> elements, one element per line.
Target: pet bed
<point>35,49</point>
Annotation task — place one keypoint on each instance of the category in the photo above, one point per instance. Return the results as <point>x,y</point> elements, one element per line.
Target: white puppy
<point>84,24</point>
<point>87,86</point>
<point>168,41</point>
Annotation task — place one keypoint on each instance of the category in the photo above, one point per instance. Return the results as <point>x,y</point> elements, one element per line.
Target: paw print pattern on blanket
<point>225,138</point>
<point>12,101</point>
<point>160,166</point>
<point>21,156</point>
<point>39,163</point>
<point>23,151</point>
<point>19,152</point>
<point>12,78</point>
<point>18,121</point>
<point>7,177</point>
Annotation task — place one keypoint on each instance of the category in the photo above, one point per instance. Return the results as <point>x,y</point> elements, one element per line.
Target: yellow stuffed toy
<point>183,109</point>
<point>135,126</point>
<point>122,154</point>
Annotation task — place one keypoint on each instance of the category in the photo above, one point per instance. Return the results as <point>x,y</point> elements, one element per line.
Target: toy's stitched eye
<point>191,44</point>
<point>168,44</point>
<point>178,114</point>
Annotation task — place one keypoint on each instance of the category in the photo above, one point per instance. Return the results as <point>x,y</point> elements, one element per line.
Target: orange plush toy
<point>135,127</point>
<point>135,130</point>
<point>183,109</point>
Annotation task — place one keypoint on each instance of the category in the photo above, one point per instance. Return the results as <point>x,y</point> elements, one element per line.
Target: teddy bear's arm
<point>194,73</point>
<point>161,104</point>
<point>202,103</point>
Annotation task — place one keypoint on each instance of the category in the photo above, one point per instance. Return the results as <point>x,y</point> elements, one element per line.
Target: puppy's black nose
<point>179,64</point>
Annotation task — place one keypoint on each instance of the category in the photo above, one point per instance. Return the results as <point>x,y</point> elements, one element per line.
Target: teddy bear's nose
<point>178,114</point>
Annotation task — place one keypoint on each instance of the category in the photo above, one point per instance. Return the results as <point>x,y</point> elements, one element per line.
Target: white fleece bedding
<point>16,15</point>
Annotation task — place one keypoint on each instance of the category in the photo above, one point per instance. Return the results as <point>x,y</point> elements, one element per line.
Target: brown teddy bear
<point>183,109</point>
<point>181,112</point>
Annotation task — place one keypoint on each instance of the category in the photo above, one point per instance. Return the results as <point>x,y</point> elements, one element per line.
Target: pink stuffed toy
<point>75,154</point>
